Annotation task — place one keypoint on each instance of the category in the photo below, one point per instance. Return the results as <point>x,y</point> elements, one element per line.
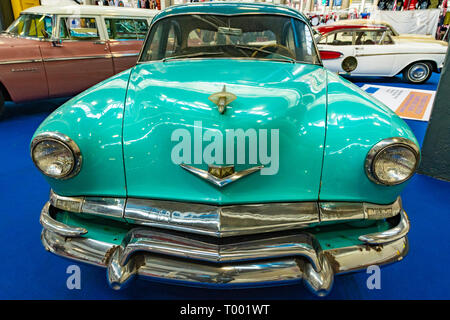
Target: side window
<point>324,40</point>
<point>164,37</point>
<point>172,41</point>
<point>370,37</point>
<point>341,38</point>
<point>126,29</point>
<point>387,38</point>
<point>153,49</point>
<point>78,28</point>
<point>141,27</point>
<point>36,26</point>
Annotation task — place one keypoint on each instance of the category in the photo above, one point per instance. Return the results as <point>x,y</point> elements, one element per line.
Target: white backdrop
<point>410,21</point>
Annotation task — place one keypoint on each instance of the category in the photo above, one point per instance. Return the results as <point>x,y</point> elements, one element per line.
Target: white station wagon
<point>363,50</point>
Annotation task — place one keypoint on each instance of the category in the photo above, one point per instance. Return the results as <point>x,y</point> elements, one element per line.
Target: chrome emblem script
<point>220,176</point>
<point>222,99</point>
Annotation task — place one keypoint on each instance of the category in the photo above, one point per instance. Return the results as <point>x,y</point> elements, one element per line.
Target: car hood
<point>167,107</point>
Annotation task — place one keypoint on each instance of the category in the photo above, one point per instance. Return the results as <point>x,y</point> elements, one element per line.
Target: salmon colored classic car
<point>53,51</point>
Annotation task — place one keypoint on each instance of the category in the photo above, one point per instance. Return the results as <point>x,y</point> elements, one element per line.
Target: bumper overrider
<point>225,246</point>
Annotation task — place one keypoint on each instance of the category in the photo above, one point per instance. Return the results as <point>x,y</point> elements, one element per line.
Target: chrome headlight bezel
<point>381,146</point>
<point>67,143</point>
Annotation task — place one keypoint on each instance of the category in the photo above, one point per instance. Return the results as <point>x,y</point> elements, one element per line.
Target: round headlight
<point>56,155</point>
<point>392,161</point>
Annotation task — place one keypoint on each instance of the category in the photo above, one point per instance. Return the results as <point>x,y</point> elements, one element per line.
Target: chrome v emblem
<point>220,176</point>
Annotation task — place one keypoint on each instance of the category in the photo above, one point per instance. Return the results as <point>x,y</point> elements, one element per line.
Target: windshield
<point>269,37</point>
<point>32,25</point>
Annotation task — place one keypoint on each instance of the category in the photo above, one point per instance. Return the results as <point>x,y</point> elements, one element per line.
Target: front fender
<point>93,120</point>
<point>355,123</point>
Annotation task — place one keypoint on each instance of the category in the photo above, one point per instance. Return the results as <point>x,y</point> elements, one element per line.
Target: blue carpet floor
<point>29,272</point>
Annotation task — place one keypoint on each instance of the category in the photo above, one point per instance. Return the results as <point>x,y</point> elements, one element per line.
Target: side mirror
<point>57,42</point>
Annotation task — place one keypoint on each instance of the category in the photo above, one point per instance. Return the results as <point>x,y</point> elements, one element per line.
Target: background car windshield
<point>242,36</point>
<point>32,25</point>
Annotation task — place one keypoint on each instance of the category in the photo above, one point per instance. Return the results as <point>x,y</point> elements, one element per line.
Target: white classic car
<point>365,50</point>
<point>395,35</point>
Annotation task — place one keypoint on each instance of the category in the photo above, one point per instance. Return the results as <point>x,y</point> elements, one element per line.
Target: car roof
<point>363,22</point>
<point>93,10</point>
<point>333,27</point>
<point>230,8</point>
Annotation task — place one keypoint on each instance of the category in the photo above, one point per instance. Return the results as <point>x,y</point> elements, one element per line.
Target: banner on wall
<point>410,21</point>
<point>407,103</point>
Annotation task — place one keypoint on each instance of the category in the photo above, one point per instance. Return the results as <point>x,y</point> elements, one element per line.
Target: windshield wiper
<point>284,58</point>
<point>192,55</point>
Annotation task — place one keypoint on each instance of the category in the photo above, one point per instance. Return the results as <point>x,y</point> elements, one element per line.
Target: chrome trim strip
<point>396,53</point>
<point>55,226</point>
<point>399,231</point>
<point>65,140</point>
<point>20,61</point>
<point>105,207</point>
<point>224,221</point>
<point>386,143</point>
<point>341,211</point>
<point>217,181</point>
<point>380,211</point>
<point>105,56</point>
<point>72,204</point>
<point>122,55</point>
<point>221,221</point>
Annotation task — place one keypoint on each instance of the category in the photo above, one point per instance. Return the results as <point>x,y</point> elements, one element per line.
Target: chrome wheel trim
<point>418,72</point>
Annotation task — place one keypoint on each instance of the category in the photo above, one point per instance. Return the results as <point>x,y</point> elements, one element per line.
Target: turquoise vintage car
<point>227,157</point>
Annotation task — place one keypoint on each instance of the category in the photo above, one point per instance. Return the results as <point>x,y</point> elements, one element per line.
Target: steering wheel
<point>276,45</point>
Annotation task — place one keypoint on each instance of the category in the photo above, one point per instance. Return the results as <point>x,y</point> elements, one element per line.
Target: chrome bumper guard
<point>197,261</point>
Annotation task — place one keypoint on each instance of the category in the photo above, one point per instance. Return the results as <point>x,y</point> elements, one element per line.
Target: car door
<point>125,39</point>
<point>334,47</point>
<point>374,53</point>
<point>80,59</point>
<point>22,71</point>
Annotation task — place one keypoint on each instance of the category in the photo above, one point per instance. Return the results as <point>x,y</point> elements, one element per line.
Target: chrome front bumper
<point>198,260</point>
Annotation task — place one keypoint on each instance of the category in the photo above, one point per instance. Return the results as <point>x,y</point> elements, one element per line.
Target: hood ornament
<point>222,99</point>
<point>220,176</point>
